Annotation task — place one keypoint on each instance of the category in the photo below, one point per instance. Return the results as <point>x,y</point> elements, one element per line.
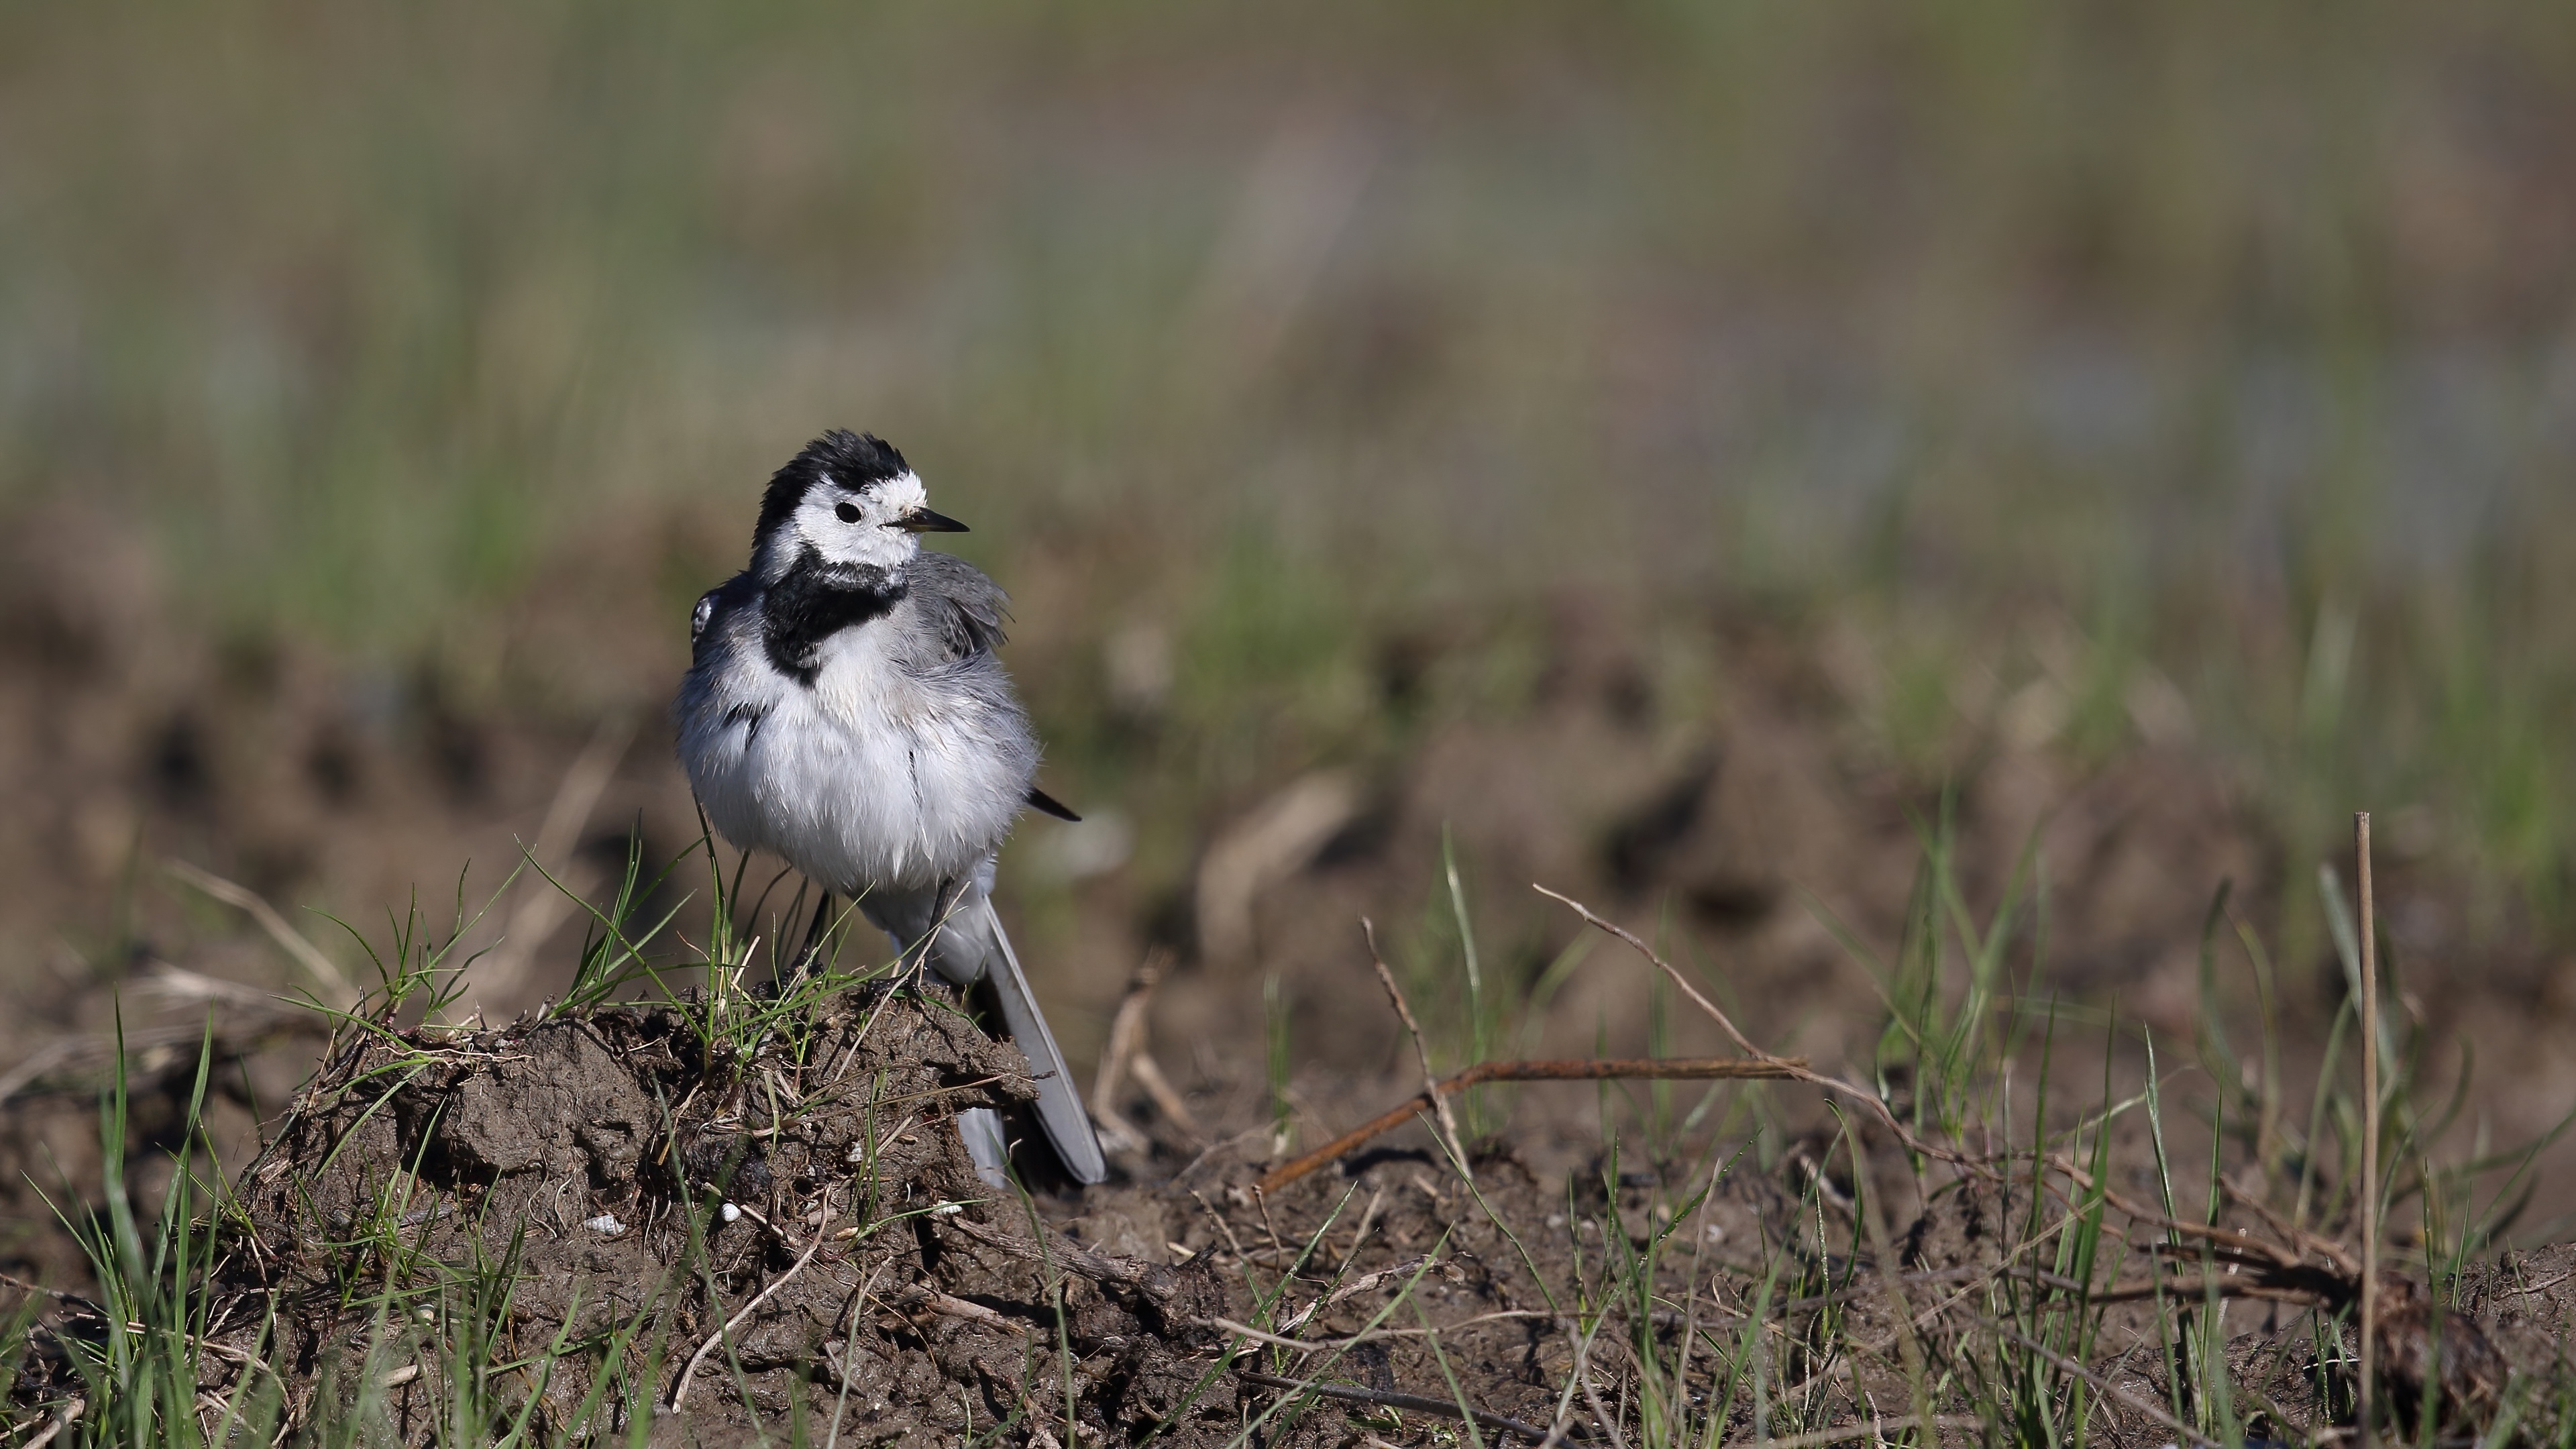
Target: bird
<point>844,709</point>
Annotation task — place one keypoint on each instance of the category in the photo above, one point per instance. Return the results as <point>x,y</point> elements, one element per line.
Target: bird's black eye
<point>847,513</point>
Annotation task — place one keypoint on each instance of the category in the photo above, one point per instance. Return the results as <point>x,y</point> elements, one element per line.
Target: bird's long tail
<point>1060,1109</point>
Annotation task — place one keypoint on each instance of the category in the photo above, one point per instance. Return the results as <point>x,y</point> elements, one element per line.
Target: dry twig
<point>1677,1069</point>
<point>62,1419</point>
<point>1792,1070</point>
<point>680,1390</point>
<point>1872,1429</point>
<point>950,1306</point>
<point>1377,1335</point>
<point>1421,1053</point>
<point>1382,1398</point>
<point>1126,1038</point>
<point>1126,1056</point>
<point>1167,1098</point>
<point>2135,1404</point>
<point>59,1296</point>
<point>2369,1124</point>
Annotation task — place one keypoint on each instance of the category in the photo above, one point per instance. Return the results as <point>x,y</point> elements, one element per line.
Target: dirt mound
<point>726,1218</point>
<point>606,1192</point>
<point>720,1221</point>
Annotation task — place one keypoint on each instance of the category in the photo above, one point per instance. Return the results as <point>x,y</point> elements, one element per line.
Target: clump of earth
<point>623,1221</point>
<point>609,1195</point>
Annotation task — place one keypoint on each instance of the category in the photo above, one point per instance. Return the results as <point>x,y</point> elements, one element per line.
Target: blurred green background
<point>2208,363</point>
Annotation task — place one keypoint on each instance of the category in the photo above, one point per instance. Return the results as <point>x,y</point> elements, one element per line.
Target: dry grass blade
<point>1673,1069</point>
<point>1381,1335</point>
<point>2226,1242</point>
<point>1126,1039</point>
<point>37,1063</point>
<point>2369,936</point>
<point>1421,1053</point>
<point>2130,1401</point>
<point>1126,1057</point>
<point>1792,1070</point>
<point>68,1300</point>
<point>1383,1398</point>
<point>293,942</point>
<point>2194,1289</point>
<point>61,1419</point>
<point>542,909</point>
<point>2298,1237</point>
<point>1908,1343</point>
<point>180,986</point>
<point>950,1306</point>
<point>1269,845</point>
<point>1062,1253</point>
<point>680,1390</point>
<point>1167,1098</point>
<point>1869,1429</point>
<point>849,1358</point>
<point>1724,1022</point>
<point>150,1049</point>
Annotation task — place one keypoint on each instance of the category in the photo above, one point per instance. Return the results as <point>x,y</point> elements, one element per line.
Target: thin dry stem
<point>2369,1122</point>
<point>1420,1404</point>
<point>325,973</point>
<point>948,1306</point>
<point>1126,1042</point>
<point>1874,1218</point>
<point>56,1294</point>
<point>1793,1070</point>
<point>63,1418</point>
<point>1421,1053</point>
<point>680,1390</point>
<point>542,909</point>
<point>1872,1429</point>
<point>1167,1098</point>
<point>1343,1345</point>
<point>2135,1404</point>
<point>849,1350</point>
<point>1679,1069</point>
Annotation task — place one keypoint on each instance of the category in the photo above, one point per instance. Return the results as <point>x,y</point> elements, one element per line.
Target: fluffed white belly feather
<point>871,777</point>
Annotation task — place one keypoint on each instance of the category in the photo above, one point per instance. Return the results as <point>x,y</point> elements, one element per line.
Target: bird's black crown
<point>853,460</point>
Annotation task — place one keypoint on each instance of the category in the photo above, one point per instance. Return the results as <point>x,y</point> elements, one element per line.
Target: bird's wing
<point>963,610</point>
<point>717,607</point>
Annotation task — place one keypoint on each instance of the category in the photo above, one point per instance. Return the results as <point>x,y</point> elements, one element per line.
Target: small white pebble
<point>604,1223</point>
<point>946,1208</point>
<point>1714,1233</point>
<point>729,1212</point>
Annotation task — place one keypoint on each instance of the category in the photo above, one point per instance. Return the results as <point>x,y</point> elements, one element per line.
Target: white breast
<point>873,776</point>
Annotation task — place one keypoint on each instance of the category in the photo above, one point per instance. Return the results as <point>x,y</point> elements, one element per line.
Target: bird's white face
<point>876,527</point>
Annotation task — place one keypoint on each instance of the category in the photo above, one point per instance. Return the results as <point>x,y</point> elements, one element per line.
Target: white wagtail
<point>845,710</point>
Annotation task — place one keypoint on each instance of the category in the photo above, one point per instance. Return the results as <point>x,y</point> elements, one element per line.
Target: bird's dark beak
<point>922,520</point>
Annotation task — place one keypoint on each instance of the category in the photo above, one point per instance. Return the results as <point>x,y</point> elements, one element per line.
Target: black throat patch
<point>817,600</point>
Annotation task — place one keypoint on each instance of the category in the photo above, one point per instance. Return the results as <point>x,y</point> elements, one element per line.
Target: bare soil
<point>806,1214</point>
<point>1744,813</point>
